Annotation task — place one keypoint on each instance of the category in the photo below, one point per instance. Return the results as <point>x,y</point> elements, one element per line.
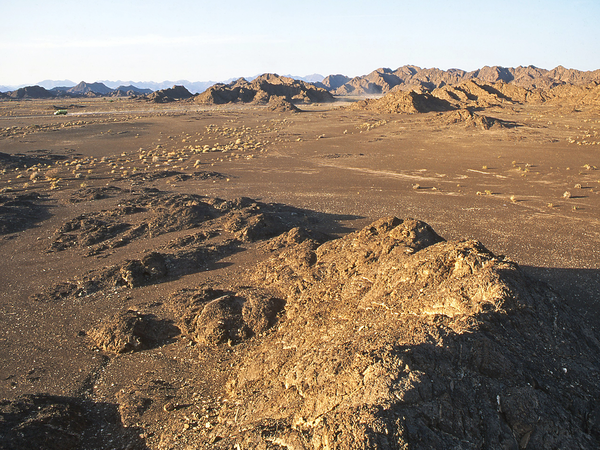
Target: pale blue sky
<point>214,40</point>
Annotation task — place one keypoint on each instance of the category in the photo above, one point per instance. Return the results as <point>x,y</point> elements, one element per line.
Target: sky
<point>214,40</point>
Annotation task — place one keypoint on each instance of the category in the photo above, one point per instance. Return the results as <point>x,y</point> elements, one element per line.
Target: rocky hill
<point>411,102</point>
<point>30,92</point>
<point>477,95</point>
<point>193,86</point>
<point>262,89</point>
<point>130,90</point>
<point>463,103</point>
<point>170,95</point>
<point>381,81</point>
<point>390,337</point>
<point>332,82</point>
<point>395,338</point>
<point>574,96</point>
<point>409,77</point>
<point>84,88</point>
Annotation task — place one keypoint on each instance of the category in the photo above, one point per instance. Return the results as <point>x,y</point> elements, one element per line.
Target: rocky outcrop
<point>409,77</point>
<point>404,102</point>
<point>262,89</point>
<point>394,338</point>
<point>30,92</point>
<point>476,95</point>
<point>129,91</point>
<point>84,88</point>
<point>332,82</point>
<point>170,95</point>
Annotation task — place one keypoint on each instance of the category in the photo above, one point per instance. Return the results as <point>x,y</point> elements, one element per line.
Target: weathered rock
<point>384,80</point>
<point>170,95</point>
<point>231,317</point>
<point>471,119</point>
<point>403,102</point>
<point>281,104</point>
<point>130,331</point>
<point>394,338</point>
<point>138,273</point>
<point>262,89</point>
<point>476,95</point>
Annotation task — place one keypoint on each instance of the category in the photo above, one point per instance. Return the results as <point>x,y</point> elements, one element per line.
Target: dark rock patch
<point>52,422</point>
<point>281,104</point>
<point>19,212</point>
<point>151,269</point>
<point>21,161</point>
<point>94,193</point>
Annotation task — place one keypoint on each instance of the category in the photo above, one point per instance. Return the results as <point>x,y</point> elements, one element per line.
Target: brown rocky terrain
<point>384,80</point>
<point>332,82</point>
<point>169,95</point>
<point>129,91</point>
<point>90,89</point>
<point>185,275</point>
<point>28,92</point>
<point>404,102</point>
<point>380,81</point>
<point>465,98</point>
<point>262,89</point>
<point>394,338</point>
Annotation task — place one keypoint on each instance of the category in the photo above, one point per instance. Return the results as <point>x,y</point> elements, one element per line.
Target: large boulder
<point>394,338</point>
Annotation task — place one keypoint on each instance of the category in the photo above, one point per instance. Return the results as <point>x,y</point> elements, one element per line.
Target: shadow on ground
<point>55,422</point>
<point>579,287</point>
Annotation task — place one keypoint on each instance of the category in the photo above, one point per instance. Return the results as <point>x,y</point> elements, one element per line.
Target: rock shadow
<point>218,229</point>
<point>21,161</point>
<point>579,287</point>
<point>395,338</point>
<point>54,422</point>
<point>21,211</point>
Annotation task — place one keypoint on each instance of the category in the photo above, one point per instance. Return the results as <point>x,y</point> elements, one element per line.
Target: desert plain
<point>123,219</point>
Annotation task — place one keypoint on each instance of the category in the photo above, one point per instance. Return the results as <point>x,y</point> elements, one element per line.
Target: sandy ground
<point>530,192</point>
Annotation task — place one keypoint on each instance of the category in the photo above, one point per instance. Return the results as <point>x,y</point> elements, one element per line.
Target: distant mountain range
<point>83,89</point>
<point>379,81</point>
<point>195,87</point>
<point>407,78</point>
<point>192,86</point>
<point>49,84</point>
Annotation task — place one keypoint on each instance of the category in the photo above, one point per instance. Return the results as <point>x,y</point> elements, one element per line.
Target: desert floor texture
<point>126,214</point>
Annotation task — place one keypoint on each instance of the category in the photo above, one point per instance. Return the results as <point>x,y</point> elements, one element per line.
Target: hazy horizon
<point>200,41</point>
